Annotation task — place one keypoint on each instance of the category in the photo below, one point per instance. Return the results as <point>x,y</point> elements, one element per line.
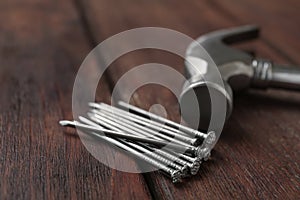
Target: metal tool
<point>200,152</point>
<point>141,131</point>
<point>239,70</point>
<point>209,138</point>
<point>113,111</point>
<point>175,174</point>
<point>153,129</point>
<point>144,138</point>
<point>193,164</point>
<point>154,159</point>
<point>131,136</point>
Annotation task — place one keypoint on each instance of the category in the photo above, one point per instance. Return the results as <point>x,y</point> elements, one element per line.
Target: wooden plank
<point>257,155</point>
<point>42,44</point>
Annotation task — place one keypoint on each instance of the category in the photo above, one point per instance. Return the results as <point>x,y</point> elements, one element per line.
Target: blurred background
<point>44,42</point>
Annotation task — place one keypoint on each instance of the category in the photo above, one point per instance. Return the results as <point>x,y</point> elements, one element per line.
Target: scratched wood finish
<point>42,44</point>
<point>258,153</point>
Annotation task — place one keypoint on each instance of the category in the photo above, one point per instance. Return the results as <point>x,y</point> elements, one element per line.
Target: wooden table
<point>43,43</point>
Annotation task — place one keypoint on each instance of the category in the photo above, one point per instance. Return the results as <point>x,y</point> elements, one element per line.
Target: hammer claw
<point>239,34</point>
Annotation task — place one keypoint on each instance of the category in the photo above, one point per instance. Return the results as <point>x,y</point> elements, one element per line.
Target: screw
<point>144,121</point>
<point>174,174</point>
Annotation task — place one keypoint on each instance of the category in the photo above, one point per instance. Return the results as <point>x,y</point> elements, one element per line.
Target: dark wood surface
<point>42,44</point>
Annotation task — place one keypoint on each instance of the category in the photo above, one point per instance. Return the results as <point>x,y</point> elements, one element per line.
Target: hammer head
<point>202,80</point>
<point>217,44</point>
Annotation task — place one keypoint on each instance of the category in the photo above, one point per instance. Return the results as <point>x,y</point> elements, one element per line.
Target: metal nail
<point>174,174</point>
<point>154,154</point>
<point>110,123</point>
<point>122,135</point>
<point>193,166</point>
<point>209,138</point>
<point>146,122</point>
<point>137,127</point>
<point>147,151</point>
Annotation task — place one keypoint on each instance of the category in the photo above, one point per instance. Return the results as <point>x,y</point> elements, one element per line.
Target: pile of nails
<point>175,149</point>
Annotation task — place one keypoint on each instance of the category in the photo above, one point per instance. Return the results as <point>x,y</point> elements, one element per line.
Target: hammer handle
<point>269,75</point>
<point>285,77</point>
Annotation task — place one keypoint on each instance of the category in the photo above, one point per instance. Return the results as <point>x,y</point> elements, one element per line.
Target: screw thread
<point>155,155</point>
<point>171,157</point>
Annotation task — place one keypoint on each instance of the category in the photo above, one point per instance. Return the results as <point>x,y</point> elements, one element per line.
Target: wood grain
<point>42,45</point>
<point>258,153</point>
<point>279,22</point>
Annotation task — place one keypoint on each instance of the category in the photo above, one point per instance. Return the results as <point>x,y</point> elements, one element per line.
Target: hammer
<point>239,70</point>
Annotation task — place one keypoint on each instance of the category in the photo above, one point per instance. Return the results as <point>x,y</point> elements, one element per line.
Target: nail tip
<point>63,122</point>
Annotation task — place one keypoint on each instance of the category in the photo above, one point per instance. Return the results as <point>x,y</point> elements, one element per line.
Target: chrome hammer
<point>238,69</point>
